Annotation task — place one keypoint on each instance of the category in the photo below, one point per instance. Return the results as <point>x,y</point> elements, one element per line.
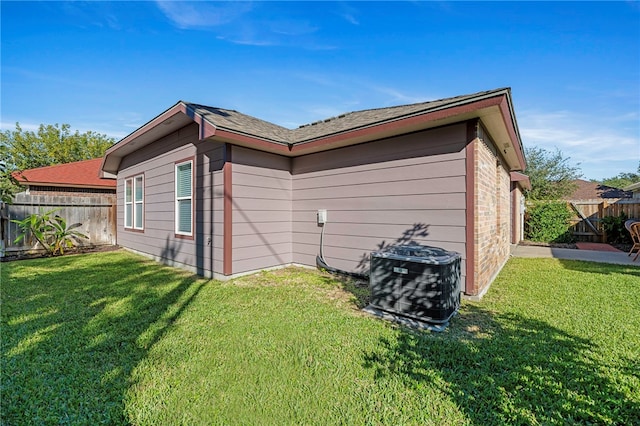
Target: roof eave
<point>633,187</point>
<point>494,108</point>
<point>64,185</point>
<point>171,120</point>
<point>522,180</point>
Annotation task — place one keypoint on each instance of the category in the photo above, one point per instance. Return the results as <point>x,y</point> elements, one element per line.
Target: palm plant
<point>50,230</point>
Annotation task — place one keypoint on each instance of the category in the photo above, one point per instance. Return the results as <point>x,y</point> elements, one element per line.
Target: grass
<point>113,338</point>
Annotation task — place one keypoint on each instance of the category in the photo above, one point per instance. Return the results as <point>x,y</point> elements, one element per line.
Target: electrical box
<point>322,217</point>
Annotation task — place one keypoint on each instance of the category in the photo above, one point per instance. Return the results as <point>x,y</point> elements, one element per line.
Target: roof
<point>79,174</point>
<point>238,122</point>
<point>494,107</point>
<point>587,190</point>
<point>522,180</point>
<point>634,187</point>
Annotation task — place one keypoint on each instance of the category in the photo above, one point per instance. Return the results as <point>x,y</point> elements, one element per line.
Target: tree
<point>49,145</point>
<point>550,173</point>
<point>8,185</point>
<point>623,179</point>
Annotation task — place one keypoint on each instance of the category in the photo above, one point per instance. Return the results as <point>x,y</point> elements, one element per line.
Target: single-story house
<point>634,188</point>
<point>79,178</point>
<point>222,193</point>
<point>587,190</point>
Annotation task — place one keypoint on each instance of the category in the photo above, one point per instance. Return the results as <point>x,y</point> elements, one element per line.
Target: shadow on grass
<point>507,369</point>
<point>600,268</point>
<point>74,328</point>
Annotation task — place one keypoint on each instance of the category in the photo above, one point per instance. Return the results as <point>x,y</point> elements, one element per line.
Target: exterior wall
<point>261,210</point>
<point>203,252</point>
<point>517,212</point>
<point>410,188</point>
<point>407,188</point>
<point>492,231</point>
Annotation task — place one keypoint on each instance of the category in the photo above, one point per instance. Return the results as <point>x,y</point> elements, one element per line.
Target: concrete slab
<point>596,247</point>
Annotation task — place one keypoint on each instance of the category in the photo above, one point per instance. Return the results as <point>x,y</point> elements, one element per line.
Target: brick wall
<point>492,214</point>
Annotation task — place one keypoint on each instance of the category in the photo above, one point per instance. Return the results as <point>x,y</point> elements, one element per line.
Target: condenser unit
<point>417,282</point>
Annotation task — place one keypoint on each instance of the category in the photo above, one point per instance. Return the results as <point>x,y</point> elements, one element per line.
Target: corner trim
<point>470,180</point>
<point>227,253</point>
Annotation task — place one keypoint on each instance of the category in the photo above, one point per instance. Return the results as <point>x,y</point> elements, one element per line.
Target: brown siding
<point>203,254</point>
<point>261,210</point>
<point>407,188</point>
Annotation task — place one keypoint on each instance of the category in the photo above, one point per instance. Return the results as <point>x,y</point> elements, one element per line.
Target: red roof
<point>79,174</point>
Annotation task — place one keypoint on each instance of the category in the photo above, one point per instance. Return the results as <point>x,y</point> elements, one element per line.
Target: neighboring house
<point>76,190</point>
<point>634,188</point>
<point>80,178</point>
<point>223,194</point>
<point>586,190</point>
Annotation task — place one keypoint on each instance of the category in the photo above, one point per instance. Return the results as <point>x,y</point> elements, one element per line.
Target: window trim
<point>178,233</point>
<point>134,179</point>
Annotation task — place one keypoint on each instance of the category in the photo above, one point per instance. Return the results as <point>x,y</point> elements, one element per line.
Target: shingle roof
<point>369,117</point>
<point>242,123</point>
<point>77,174</point>
<point>593,190</point>
<point>230,126</point>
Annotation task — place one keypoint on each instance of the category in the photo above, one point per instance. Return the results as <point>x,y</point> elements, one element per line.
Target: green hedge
<point>615,230</point>
<point>548,221</point>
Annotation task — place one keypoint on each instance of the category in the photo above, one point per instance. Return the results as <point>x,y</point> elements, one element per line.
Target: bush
<point>548,222</point>
<point>614,229</point>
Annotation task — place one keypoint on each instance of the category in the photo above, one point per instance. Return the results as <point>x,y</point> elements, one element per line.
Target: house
<point>222,193</point>
<point>634,189</point>
<point>586,190</point>
<point>74,179</point>
<point>76,190</point>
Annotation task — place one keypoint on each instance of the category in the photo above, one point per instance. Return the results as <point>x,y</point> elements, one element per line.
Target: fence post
<point>601,209</point>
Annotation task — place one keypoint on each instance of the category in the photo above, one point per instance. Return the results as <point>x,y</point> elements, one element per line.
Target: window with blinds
<point>134,202</point>
<point>184,198</point>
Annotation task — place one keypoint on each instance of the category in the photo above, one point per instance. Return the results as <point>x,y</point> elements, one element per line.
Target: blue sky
<point>574,67</point>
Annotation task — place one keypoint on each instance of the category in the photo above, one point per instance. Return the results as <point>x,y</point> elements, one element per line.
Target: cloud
<point>194,15</point>
<point>603,146</point>
<point>241,23</point>
<point>395,96</point>
<point>348,13</point>
<point>5,125</point>
<point>112,129</point>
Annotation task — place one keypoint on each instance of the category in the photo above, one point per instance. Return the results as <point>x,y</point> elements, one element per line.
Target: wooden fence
<point>96,214</point>
<point>586,224</point>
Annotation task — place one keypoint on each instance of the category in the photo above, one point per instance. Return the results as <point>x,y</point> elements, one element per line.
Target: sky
<point>110,67</point>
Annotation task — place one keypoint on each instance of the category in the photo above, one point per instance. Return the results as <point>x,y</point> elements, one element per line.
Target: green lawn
<point>113,338</point>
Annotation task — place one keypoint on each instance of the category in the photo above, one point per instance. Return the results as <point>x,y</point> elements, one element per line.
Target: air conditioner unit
<point>415,281</point>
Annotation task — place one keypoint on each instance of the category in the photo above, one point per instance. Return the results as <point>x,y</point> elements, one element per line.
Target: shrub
<point>548,221</point>
<point>614,229</point>
<point>50,230</point>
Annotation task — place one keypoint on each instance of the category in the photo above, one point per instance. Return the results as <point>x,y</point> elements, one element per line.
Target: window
<point>184,198</point>
<point>134,202</point>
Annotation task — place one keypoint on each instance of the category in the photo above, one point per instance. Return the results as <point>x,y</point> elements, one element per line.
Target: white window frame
<point>128,204</point>
<point>131,219</point>
<point>183,198</point>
